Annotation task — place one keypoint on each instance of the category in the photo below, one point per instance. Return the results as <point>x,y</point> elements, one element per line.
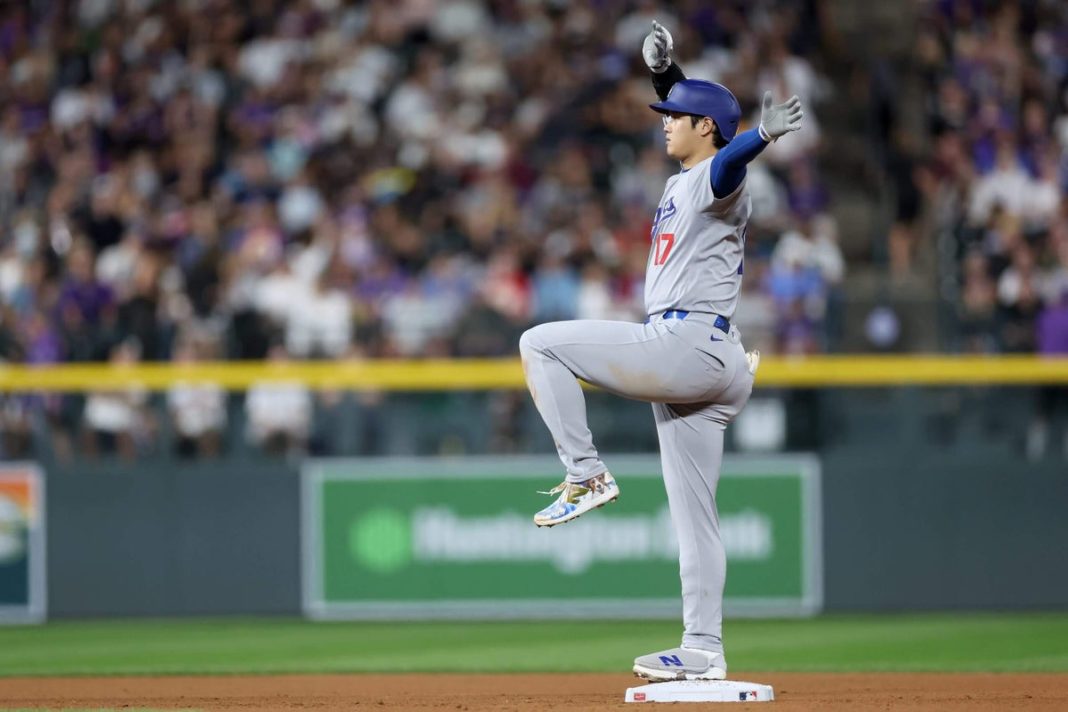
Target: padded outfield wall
<point>898,532</point>
<point>925,498</point>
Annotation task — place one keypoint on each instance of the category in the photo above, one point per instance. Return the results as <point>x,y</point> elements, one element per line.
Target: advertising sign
<point>437,538</point>
<point>22,544</point>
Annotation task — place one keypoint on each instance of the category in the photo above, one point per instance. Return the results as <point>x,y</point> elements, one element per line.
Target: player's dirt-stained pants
<point>698,379</point>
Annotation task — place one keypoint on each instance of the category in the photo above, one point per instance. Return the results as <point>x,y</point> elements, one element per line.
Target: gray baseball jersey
<point>698,240</point>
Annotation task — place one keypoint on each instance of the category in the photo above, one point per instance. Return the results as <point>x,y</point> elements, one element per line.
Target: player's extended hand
<point>656,49</point>
<point>779,119</point>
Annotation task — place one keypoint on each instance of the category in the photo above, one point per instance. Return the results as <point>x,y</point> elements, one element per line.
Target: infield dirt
<point>478,693</point>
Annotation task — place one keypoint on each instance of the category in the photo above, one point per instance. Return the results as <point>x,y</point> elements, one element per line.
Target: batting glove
<point>656,49</point>
<point>779,119</point>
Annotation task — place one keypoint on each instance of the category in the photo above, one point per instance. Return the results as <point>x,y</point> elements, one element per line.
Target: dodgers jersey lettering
<point>698,240</point>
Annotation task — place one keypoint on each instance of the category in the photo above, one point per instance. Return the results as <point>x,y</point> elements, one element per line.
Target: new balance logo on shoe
<point>681,664</point>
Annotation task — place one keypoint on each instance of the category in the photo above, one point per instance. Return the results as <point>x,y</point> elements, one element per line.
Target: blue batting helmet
<point>701,98</point>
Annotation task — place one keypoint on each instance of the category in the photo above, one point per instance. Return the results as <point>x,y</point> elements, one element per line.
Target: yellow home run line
<point>487,374</point>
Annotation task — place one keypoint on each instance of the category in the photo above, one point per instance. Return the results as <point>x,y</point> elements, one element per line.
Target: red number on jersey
<point>664,242</point>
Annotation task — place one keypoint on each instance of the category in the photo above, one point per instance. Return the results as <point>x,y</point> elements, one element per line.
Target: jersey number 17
<point>662,247</point>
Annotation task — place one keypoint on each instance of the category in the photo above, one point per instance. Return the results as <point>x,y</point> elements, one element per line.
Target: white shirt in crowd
<point>278,408</point>
<point>198,408</point>
<point>1008,186</point>
<point>820,250</point>
<point>320,323</point>
<point>115,411</point>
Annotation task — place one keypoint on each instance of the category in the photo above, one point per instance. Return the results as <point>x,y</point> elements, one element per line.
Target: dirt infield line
<point>481,693</point>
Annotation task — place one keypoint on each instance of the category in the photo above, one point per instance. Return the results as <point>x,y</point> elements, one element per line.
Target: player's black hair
<point>717,138</point>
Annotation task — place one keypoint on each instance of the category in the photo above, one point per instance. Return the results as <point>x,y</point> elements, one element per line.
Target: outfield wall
<point>899,532</point>
<point>173,539</point>
<point>944,532</point>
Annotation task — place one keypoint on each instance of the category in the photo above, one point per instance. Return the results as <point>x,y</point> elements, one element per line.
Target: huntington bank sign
<point>440,538</point>
<point>389,540</point>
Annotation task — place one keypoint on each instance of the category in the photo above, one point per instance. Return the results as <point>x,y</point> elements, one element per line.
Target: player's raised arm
<point>776,120</point>
<point>656,50</point>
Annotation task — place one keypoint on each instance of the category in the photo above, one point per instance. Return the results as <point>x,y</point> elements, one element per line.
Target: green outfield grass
<point>943,642</point>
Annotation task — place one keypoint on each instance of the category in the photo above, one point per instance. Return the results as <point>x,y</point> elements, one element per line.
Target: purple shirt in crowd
<point>1052,329</point>
<point>91,298</point>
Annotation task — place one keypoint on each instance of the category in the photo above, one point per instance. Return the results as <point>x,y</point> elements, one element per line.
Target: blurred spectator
<point>279,413</point>
<point>814,244</point>
<point>805,266</point>
<point>805,194</point>
<point>413,321</point>
<point>1052,337</point>
<point>198,410</point>
<point>1008,185</point>
<point>599,298</point>
<point>118,421</point>
<point>978,305</point>
<point>756,315</point>
<point>1052,327</point>
<point>1019,302</point>
<point>83,306</point>
<point>904,173</point>
<point>319,323</point>
<point>555,290</point>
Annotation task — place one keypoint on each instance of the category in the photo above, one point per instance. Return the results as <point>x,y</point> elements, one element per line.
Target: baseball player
<point>686,359</point>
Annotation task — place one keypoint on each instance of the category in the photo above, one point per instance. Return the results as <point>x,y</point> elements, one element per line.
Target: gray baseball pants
<point>697,378</point>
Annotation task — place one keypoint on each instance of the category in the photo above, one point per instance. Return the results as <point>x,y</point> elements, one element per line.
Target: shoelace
<point>570,488</point>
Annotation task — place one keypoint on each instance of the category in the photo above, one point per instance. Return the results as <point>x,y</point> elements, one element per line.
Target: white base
<point>701,691</point>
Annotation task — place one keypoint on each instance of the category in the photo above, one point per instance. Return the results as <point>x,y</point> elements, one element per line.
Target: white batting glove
<point>779,119</point>
<point>753,359</point>
<point>656,49</point>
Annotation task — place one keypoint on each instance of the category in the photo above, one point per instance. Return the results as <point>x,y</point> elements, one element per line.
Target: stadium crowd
<point>996,78</point>
<point>996,83</point>
<point>211,179</point>
<point>317,179</point>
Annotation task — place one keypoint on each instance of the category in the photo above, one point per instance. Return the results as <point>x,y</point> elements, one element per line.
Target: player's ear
<point>708,126</point>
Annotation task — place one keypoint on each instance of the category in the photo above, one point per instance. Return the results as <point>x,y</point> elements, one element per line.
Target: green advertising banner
<point>437,538</point>
<point>22,544</point>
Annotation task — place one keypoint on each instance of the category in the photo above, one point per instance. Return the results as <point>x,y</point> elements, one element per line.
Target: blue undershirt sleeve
<point>728,167</point>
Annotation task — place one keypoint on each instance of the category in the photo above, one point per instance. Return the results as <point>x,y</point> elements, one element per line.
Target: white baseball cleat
<point>577,498</point>
<point>681,664</point>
